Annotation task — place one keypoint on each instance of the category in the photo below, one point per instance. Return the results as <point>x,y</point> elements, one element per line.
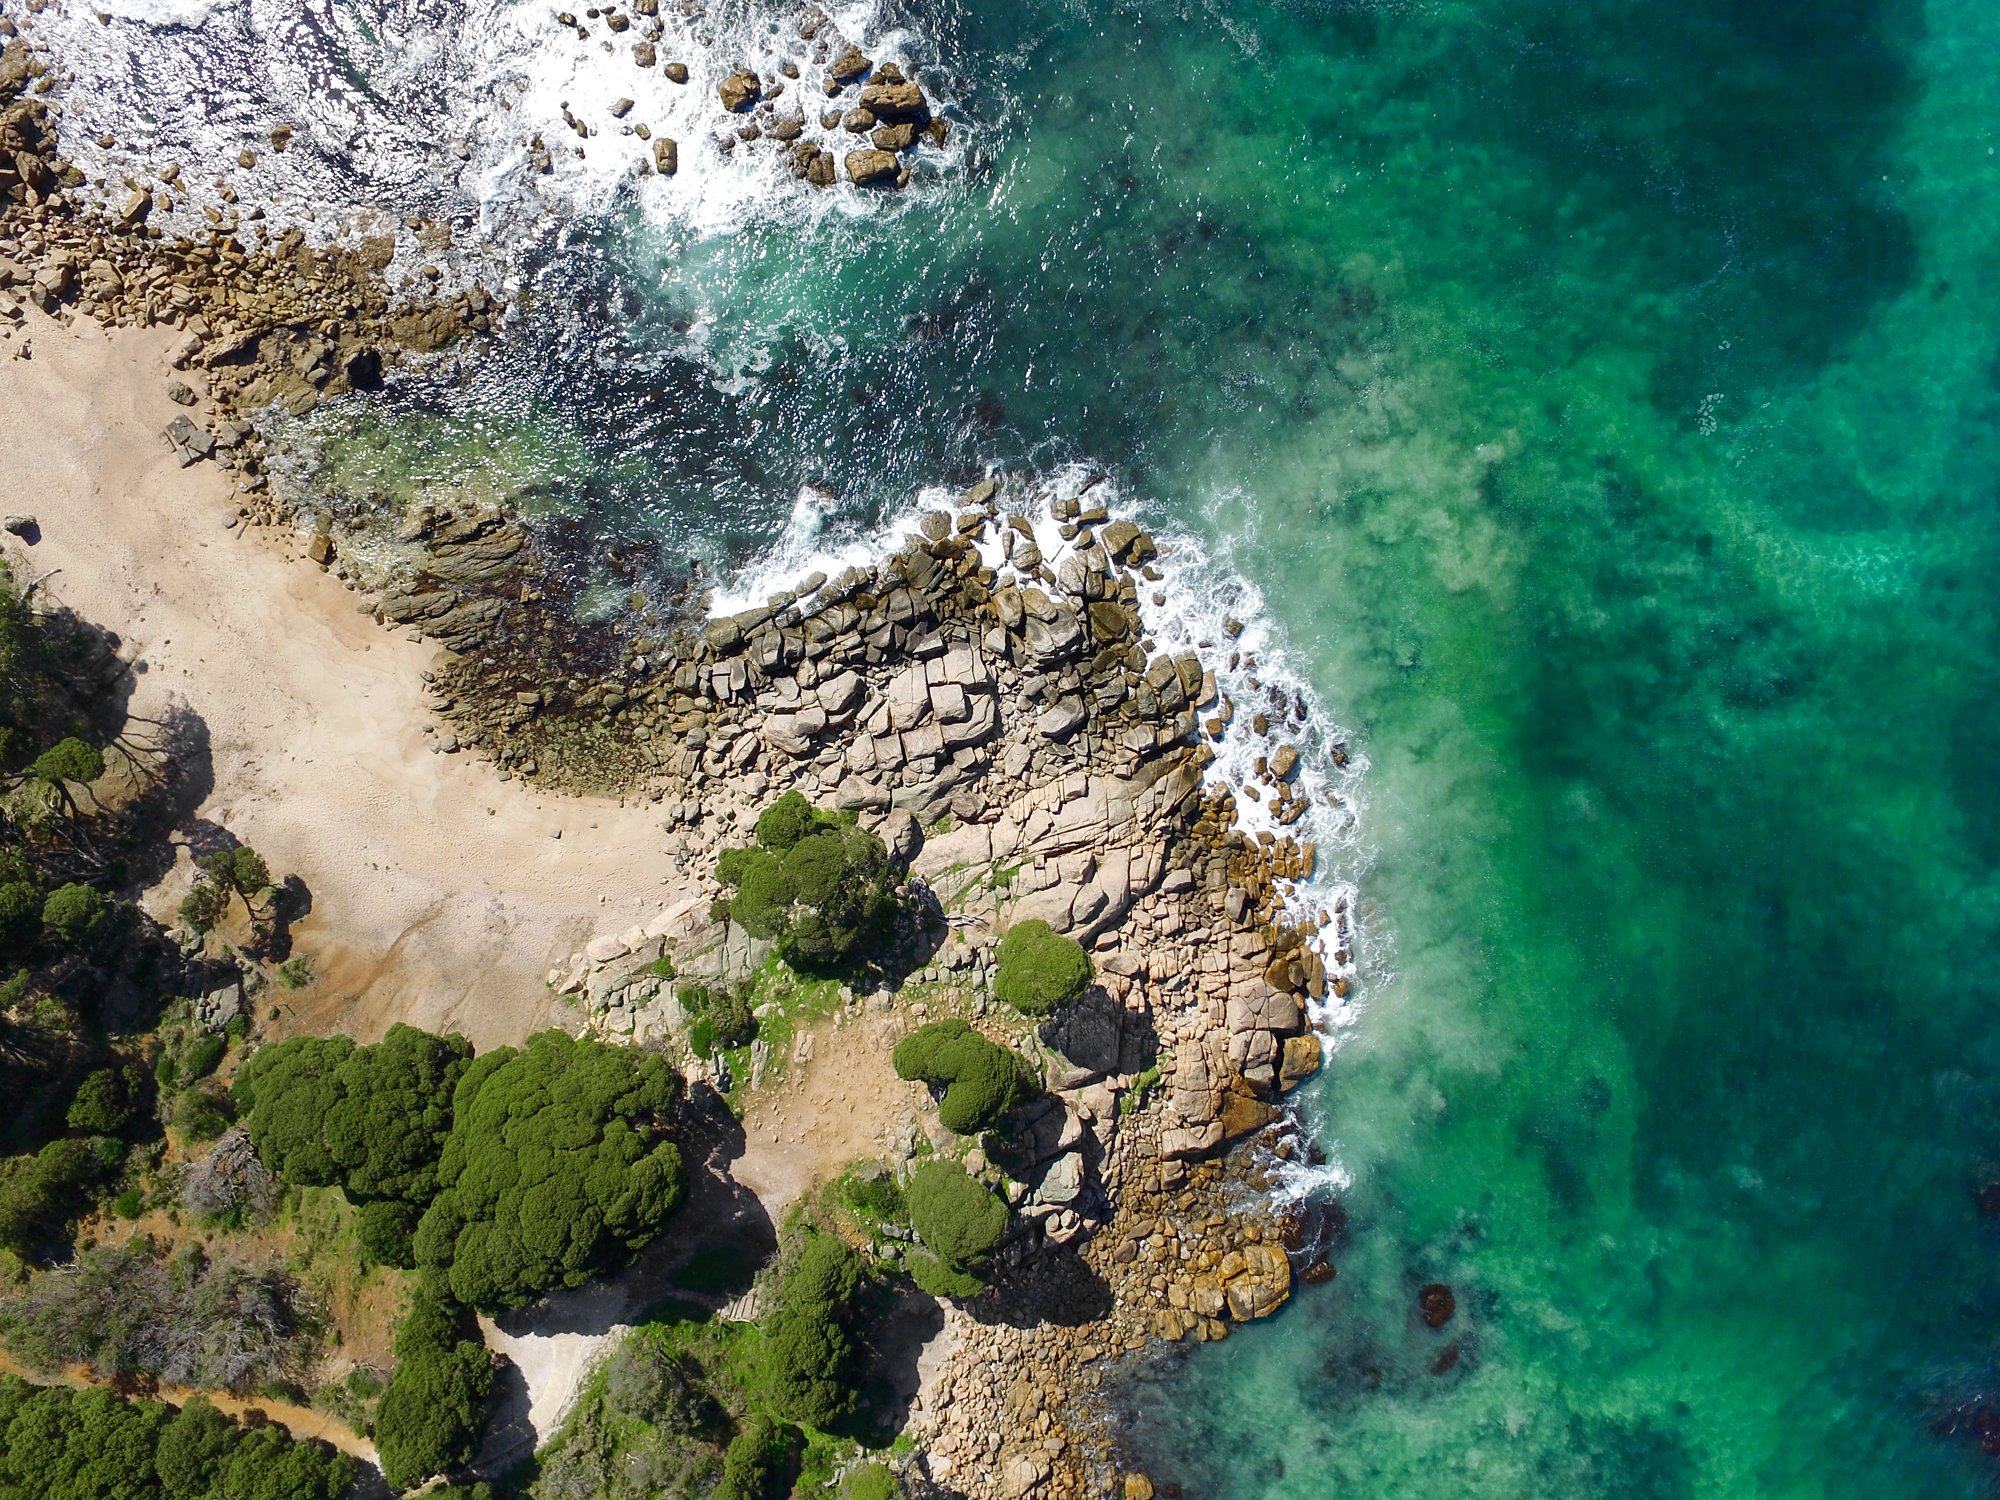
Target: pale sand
<point>439,896</point>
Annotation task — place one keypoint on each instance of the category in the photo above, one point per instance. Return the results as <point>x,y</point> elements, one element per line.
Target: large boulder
<point>872,168</point>
<point>739,91</point>
<point>893,101</point>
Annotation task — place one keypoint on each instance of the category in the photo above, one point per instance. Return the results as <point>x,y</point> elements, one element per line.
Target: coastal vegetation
<point>1040,969</point>
<point>959,1223</point>
<point>63,1444</point>
<point>557,1168</point>
<point>820,887</point>
<point>434,1408</point>
<point>976,1080</point>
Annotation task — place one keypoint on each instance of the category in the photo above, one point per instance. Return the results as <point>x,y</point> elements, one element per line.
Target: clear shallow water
<point>1602,395</point>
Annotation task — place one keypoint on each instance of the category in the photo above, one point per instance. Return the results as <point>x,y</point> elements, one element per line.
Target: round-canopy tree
<point>810,1355</point>
<point>1040,970</point>
<point>959,1222</point>
<point>814,883</point>
<point>556,1168</point>
<point>373,1120</point>
<point>980,1078</point>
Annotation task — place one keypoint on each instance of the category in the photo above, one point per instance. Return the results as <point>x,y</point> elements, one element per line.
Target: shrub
<point>747,1464</point>
<point>55,1441</point>
<point>810,1355</point>
<point>878,1197</point>
<point>819,887</point>
<point>105,1102</point>
<point>199,1114</point>
<point>205,904</point>
<point>372,1120</point>
<point>958,1221</point>
<point>40,1194</point>
<point>980,1078</point>
<point>384,1226</point>
<point>1040,970</point>
<point>872,1482</point>
<point>71,911</point>
<point>434,1406</point>
<point>202,1057</point>
<point>556,1168</point>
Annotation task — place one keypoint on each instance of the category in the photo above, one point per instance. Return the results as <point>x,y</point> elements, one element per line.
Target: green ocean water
<point>1603,396</point>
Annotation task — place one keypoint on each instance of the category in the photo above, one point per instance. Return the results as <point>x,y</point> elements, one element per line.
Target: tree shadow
<point>1097,1034</point>
<point>895,1343</point>
<point>1052,1285</point>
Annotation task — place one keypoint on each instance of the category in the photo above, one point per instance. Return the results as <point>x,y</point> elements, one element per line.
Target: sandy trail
<point>440,896</point>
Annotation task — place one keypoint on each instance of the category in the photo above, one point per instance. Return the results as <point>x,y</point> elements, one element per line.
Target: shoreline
<point>985,694</point>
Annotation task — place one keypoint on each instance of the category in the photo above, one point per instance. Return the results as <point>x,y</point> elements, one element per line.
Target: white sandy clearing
<point>439,895</point>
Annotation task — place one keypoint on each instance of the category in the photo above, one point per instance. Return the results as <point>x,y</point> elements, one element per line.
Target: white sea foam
<point>401,109</point>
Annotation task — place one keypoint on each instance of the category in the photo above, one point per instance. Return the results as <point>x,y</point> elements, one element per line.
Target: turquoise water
<point>1604,396</point>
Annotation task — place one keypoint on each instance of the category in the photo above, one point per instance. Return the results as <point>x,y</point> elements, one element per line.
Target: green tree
<point>240,870</point>
<point>105,1101</point>
<point>557,1167</point>
<point>434,1407</point>
<point>373,1120</point>
<point>811,1358</point>
<point>71,912</point>
<point>981,1079</point>
<point>194,1449</point>
<point>748,1461</point>
<point>66,761</point>
<point>1039,969</point>
<point>205,904</point>
<point>818,886</point>
<point>959,1222</point>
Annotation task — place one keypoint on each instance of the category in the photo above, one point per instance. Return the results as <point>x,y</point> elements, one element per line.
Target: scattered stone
<point>871,168</point>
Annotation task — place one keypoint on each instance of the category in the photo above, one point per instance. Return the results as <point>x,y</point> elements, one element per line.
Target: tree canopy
<point>434,1408</point>
<point>1039,969</point>
<point>959,1222</point>
<point>814,883</point>
<point>59,1444</point>
<point>556,1168</point>
<point>980,1078</point>
<point>373,1120</point>
<point>810,1352</point>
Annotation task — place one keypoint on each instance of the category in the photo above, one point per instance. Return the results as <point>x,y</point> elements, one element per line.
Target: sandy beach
<point>440,895</point>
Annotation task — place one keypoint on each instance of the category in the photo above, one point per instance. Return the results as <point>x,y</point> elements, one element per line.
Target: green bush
<point>980,1078</point>
<point>202,1057</point>
<point>40,1194</point>
<point>60,1443</point>
<point>748,1461</point>
<point>781,825</point>
<point>200,1114</point>
<point>1039,969</point>
<point>819,887</point>
<point>557,1167</point>
<point>872,1482</point>
<point>385,1226</point>
<point>105,1102</point>
<point>323,1112</point>
<point>71,911</point>
<point>958,1221</point>
<point>811,1359</point>
<point>434,1406</point>
<point>877,1197</point>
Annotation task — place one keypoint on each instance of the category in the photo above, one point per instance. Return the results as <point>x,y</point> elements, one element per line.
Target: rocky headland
<point>987,694</point>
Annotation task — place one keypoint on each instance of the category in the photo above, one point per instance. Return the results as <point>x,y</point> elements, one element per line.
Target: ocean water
<point>1600,399</point>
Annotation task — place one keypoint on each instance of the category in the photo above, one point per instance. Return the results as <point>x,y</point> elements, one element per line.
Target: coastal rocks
<point>1436,1304</point>
<point>740,91</point>
<point>666,156</point>
<point>872,168</point>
